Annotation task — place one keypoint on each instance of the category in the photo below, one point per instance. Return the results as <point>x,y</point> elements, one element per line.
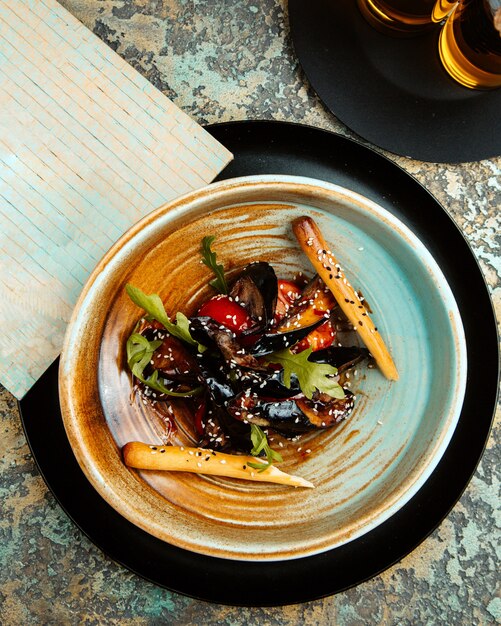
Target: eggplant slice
<point>272,342</point>
<point>213,376</point>
<point>216,336</point>
<point>291,417</point>
<point>215,436</point>
<point>174,361</point>
<point>256,290</point>
<point>323,411</point>
<point>341,357</point>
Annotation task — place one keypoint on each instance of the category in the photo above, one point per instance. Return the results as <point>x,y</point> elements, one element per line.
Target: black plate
<point>278,148</point>
<point>393,92</point>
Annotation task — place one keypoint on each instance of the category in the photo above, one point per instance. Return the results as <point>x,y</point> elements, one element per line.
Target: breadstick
<point>202,461</point>
<point>313,244</point>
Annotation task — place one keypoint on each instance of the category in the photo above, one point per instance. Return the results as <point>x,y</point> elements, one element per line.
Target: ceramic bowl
<point>366,468</point>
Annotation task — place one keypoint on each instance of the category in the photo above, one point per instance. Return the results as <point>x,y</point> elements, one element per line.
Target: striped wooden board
<point>87,147</point>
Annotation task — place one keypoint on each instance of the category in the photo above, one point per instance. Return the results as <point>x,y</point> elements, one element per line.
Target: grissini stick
<point>202,461</point>
<point>313,244</point>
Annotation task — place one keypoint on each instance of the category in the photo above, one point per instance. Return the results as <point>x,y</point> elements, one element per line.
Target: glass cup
<point>405,17</point>
<point>470,44</point>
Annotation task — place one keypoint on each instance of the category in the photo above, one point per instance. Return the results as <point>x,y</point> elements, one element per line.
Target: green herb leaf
<point>259,466</point>
<point>139,353</point>
<point>154,307</point>
<point>153,382</point>
<point>259,440</point>
<point>260,444</point>
<point>183,325</point>
<point>210,260</point>
<point>152,304</point>
<point>310,375</point>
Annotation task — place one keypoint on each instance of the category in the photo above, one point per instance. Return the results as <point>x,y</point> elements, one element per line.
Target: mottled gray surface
<point>223,61</point>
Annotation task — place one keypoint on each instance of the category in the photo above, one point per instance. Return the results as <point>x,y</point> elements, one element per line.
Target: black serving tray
<point>280,148</point>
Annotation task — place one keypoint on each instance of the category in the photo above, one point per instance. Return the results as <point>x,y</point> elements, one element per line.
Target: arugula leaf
<point>259,440</point>
<point>260,444</point>
<point>154,307</point>
<point>139,353</point>
<point>310,375</point>
<point>183,326</point>
<point>153,382</point>
<point>209,259</point>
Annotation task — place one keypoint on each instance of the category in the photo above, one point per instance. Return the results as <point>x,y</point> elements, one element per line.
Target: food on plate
<point>313,244</point>
<point>200,460</point>
<point>265,357</point>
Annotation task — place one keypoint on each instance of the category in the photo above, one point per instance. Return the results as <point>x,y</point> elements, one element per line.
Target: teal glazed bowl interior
<point>364,469</point>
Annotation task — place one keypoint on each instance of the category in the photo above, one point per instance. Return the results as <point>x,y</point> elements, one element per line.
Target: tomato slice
<point>322,337</point>
<point>199,417</point>
<point>316,301</point>
<point>288,293</point>
<point>226,312</point>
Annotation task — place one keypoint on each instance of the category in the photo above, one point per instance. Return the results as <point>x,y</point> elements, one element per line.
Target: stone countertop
<point>222,61</point>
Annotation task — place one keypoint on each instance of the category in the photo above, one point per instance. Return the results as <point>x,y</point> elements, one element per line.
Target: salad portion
<point>261,356</point>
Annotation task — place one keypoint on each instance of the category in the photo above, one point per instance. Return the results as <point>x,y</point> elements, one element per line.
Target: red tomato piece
<point>226,312</point>
<point>288,293</point>
<point>199,417</point>
<point>322,337</point>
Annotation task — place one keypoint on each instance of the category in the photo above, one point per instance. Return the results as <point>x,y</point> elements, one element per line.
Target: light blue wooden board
<point>87,147</point>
